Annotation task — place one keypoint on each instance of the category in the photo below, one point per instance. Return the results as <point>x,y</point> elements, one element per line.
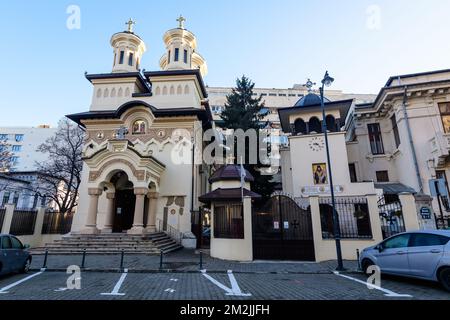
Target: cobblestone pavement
<point>211,286</point>
<point>183,261</point>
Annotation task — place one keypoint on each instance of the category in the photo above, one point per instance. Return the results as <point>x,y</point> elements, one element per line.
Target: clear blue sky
<point>276,43</point>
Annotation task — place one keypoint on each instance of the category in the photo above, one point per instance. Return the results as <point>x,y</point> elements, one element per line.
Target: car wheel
<point>366,263</point>
<point>26,266</point>
<point>444,278</point>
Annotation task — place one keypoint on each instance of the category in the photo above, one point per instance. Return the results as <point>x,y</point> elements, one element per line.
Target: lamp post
<point>327,81</point>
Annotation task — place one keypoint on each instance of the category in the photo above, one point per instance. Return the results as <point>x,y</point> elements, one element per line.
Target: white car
<point>418,254</point>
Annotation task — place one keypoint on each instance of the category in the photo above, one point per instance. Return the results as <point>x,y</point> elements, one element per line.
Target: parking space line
<point>235,290</point>
<point>4,289</point>
<point>387,292</point>
<point>119,283</point>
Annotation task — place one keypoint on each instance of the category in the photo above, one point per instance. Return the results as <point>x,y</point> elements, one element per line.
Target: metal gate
<point>282,231</point>
<point>391,216</point>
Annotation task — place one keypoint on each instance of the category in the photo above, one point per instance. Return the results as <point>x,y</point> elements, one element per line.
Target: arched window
<point>314,125</point>
<point>139,127</point>
<point>331,123</point>
<point>299,126</point>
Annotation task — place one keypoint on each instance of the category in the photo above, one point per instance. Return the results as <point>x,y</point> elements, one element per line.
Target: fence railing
<point>172,232</point>
<point>443,224</point>
<point>57,223</point>
<point>391,217</point>
<point>2,217</point>
<point>353,217</point>
<point>23,222</point>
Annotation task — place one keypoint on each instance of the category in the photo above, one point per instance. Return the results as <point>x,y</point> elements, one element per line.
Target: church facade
<point>142,129</point>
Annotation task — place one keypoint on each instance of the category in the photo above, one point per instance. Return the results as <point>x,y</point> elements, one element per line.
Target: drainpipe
<point>411,144</point>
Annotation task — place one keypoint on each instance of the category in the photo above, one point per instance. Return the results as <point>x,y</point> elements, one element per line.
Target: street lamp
<point>327,81</point>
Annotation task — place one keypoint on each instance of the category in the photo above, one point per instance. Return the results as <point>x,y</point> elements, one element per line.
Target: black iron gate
<point>391,216</point>
<point>282,230</point>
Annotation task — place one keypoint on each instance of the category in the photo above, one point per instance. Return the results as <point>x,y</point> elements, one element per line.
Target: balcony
<point>440,148</point>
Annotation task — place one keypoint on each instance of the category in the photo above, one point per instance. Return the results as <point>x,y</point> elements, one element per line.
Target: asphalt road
<point>49,285</point>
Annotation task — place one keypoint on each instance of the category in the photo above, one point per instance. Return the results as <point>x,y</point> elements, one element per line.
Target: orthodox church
<point>142,129</point>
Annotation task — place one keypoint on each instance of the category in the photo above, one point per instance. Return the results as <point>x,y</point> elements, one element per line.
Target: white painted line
<point>119,283</point>
<point>5,289</point>
<point>387,292</point>
<point>233,291</point>
<point>170,290</point>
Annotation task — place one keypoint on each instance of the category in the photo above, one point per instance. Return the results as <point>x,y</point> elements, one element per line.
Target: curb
<point>152,271</point>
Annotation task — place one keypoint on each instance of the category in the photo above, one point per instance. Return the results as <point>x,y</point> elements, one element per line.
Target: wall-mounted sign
<point>425,213</point>
<point>276,225</point>
<point>316,190</point>
<point>286,224</point>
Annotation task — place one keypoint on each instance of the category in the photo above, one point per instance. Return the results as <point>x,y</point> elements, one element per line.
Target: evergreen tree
<point>245,111</point>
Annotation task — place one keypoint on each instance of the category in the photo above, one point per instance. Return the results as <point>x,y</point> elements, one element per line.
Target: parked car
<point>14,256</point>
<point>418,254</point>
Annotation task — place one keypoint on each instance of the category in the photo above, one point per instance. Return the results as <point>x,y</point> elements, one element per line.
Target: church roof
<point>310,99</point>
<point>230,172</point>
<point>139,77</point>
<point>227,195</point>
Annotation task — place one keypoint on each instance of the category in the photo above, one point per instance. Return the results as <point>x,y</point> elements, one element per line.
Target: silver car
<point>14,256</point>
<point>418,254</point>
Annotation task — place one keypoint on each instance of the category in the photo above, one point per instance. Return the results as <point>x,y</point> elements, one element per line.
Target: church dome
<point>311,99</point>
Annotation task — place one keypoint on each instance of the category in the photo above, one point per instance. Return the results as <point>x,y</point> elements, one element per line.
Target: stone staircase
<point>111,244</point>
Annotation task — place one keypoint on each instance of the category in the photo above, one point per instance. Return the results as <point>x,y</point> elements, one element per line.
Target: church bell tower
<point>128,50</point>
<point>181,46</point>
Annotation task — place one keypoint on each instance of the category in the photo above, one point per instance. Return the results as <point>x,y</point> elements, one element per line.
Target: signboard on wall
<point>317,190</point>
<point>425,213</point>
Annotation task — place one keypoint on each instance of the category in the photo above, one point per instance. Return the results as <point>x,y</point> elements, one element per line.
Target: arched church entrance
<point>124,203</point>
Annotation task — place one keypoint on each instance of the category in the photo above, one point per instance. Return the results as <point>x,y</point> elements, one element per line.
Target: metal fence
<point>172,232</point>
<point>443,224</point>
<point>57,223</point>
<point>353,217</point>
<point>23,222</point>
<point>391,217</point>
<point>2,217</point>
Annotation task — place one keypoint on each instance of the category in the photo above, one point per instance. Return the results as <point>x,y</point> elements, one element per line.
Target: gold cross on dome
<point>181,21</point>
<point>130,24</point>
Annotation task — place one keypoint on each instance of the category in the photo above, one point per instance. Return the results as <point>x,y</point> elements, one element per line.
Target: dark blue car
<point>14,256</point>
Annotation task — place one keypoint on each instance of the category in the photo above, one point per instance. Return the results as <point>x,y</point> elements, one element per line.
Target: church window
<point>299,126</point>
<point>168,57</point>
<point>99,93</point>
<point>376,141</point>
<point>139,127</point>
<point>179,90</point>
<point>444,108</point>
<point>120,92</point>
<point>186,89</point>
<point>106,93</point>
<point>228,221</point>
<point>130,59</point>
<point>177,53</point>
<point>164,91</point>
<point>185,56</point>
<point>331,123</point>
<point>314,125</point>
<point>122,54</point>
<point>113,92</point>
<point>172,90</point>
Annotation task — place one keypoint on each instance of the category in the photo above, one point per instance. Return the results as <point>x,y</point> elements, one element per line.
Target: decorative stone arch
<point>164,91</point>
<point>111,167</point>
<point>186,89</point>
<point>157,91</point>
<point>99,93</point>
<point>314,125</point>
<point>120,94</point>
<point>179,89</point>
<point>113,93</point>
<point>172,90</point>
<point>106,93</point>
<point>127,92</point>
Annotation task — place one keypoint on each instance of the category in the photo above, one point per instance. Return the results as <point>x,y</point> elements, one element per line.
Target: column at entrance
<point>91,219</point>
<point>151,217</point>
<point>108,228</point>
<point>138,222</point>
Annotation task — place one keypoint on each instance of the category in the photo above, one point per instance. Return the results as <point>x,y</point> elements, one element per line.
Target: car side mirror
<point>379,248</point>
<point>26,246</point>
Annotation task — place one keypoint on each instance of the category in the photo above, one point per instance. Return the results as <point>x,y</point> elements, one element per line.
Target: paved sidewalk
<point>184,261</point>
